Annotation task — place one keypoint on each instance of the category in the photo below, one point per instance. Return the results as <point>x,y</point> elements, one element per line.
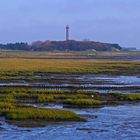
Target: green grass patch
<point>30,113</point>
<point>13,95</point>
<point>126,97</point>
<point>83,102</point>
<point>21,112</point>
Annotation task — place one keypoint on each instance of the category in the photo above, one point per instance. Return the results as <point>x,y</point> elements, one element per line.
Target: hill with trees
<point>62,46</point>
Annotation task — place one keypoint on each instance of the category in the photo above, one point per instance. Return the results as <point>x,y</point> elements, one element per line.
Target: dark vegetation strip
<point>41,87</point>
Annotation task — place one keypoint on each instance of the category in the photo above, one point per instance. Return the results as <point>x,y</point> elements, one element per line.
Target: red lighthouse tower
<point>67,32</point>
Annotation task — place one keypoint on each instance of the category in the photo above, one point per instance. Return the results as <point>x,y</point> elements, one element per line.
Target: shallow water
<point>99,83</point>
<point>111,123</point>
<point>116,122</point>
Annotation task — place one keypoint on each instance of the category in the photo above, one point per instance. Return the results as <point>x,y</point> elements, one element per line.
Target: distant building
<point>86,40</point>
<point>130,49</point>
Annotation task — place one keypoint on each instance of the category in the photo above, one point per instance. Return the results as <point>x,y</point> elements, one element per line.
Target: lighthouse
<point>67,32</point>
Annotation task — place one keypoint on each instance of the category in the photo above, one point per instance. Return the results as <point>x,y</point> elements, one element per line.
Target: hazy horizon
<point>99,20</point>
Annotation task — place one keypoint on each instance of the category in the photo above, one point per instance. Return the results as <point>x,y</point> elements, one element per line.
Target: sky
<point>113,21</point>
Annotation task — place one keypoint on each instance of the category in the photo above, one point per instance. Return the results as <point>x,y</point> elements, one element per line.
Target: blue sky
<point>115,21</point>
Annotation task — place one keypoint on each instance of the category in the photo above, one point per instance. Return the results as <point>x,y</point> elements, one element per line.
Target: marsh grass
<point>11,112</point>
<point>15,67</point>
<point>12,106</point>
<point>38,97</point>
<point>6,105</point>
<point>14,111</point>
<point>83,102</point>
<point>45,114</point>
<point>7,98</point>
<point>126,97</point>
